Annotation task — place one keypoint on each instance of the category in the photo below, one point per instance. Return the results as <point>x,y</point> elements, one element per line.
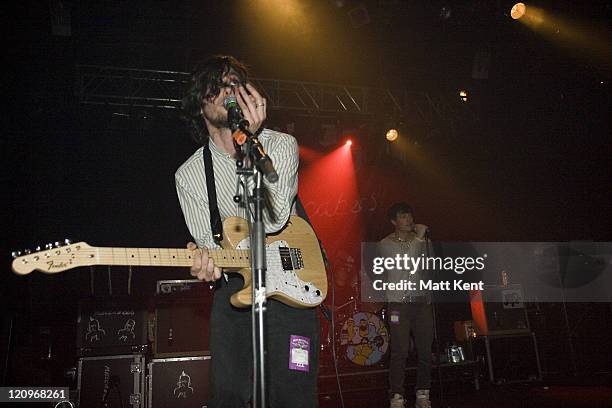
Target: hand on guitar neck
<point>203,267</point>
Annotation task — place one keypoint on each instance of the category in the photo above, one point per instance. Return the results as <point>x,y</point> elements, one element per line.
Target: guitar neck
<point>224,258</point>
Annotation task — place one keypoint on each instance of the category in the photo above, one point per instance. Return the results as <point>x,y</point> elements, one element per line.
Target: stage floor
<point>524,395</point>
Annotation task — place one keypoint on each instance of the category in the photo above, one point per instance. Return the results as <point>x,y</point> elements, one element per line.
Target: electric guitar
<point>295,271</point>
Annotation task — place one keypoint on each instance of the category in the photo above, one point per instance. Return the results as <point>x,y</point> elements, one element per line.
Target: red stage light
<point>348,143</point>
<point>336,209</point>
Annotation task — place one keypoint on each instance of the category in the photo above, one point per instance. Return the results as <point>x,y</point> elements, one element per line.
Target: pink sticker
<point>299,348</point>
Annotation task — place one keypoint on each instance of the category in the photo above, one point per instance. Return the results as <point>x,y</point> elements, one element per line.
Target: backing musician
<point>408,312</point>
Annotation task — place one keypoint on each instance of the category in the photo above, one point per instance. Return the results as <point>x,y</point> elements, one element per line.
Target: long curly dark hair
<point>206,81</point>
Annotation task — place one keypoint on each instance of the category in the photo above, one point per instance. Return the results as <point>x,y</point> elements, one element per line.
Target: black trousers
<point>232,357</point>
<point>418,319</point>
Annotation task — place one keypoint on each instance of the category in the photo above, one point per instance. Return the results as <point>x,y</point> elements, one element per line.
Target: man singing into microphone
<point>408,311</point>
<point>230,334</point>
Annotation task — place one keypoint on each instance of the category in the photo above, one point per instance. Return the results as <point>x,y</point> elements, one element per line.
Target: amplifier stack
<point>502,334</point>
<point>146,353</point>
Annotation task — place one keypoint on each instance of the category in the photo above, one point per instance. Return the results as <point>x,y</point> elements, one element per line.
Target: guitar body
<point>296,234</point>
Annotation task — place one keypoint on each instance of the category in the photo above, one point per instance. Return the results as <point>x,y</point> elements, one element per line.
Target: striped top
<point>193,196</point>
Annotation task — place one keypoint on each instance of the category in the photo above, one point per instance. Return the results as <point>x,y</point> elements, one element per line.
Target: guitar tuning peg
<point>49,246</point>
<point>38,248</point>
<point>16,254</point>
<point>27,251</point>
<point>67,241</point>
<point>57,244</point>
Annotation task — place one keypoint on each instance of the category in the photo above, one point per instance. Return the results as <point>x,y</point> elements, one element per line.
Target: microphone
<point>263,161</point>
<point>238,124</point>
<point>235,118</point>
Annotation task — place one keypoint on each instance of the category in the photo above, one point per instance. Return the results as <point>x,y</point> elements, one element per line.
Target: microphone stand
<point>434,315</point>
<point>256,165</point>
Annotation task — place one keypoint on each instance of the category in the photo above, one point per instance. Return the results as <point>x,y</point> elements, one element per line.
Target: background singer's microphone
<point>235,118</point>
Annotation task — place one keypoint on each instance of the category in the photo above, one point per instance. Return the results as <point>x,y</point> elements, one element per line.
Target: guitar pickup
<point>286,258</point>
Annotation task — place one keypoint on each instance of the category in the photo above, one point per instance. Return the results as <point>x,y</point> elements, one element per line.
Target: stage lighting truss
<point>153,89</point>
<point>135,92</point>
<point>163,90</point>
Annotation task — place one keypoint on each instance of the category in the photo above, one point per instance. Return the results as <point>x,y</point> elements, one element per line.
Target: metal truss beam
<point>153,89</point>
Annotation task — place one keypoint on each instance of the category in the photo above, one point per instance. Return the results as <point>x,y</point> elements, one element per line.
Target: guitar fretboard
<point>224,258</point>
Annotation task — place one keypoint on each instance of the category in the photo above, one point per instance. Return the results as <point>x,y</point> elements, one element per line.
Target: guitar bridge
<point>296,258</point>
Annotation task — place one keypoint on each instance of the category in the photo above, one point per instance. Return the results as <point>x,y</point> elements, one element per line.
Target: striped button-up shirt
<point>193,196</point>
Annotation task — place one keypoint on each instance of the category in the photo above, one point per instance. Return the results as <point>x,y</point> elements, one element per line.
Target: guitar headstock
<point>54,258</point>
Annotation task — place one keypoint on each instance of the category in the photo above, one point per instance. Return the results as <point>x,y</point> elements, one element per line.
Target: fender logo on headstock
<point>58,265</point>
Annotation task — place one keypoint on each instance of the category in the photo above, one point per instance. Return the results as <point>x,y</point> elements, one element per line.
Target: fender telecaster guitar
<point>295,275</point>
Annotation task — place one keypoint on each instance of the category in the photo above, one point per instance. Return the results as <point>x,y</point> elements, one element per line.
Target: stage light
<point>463,95</point>
<point>445,11</point>
<point>392,135</point>
<point>518,11</point>
<point>348,143</point>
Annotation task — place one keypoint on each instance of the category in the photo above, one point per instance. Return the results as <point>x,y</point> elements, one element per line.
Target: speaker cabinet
<point>179,382</point>
<point>499,310</point>
<point>113,381</point>
<point>181,328</point>
<point>112,327</point>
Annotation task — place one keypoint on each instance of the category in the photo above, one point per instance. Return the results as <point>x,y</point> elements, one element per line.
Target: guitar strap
<point>301,212</point>
<point>215,217</point>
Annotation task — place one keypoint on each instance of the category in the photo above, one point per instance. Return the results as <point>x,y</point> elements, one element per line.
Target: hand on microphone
<point>253,106</point>
<point>420,230</point>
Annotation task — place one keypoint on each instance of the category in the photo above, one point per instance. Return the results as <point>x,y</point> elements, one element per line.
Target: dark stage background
<point>527,158</point>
